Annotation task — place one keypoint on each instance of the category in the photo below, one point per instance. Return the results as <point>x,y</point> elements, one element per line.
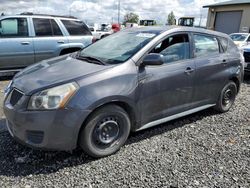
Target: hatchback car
<point>129,81</point>
<point>29,38</point>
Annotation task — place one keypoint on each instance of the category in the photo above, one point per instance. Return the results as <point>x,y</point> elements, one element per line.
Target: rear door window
<point>56,29</point>
<point>205,45</point>
<point>75,27</point>
<point>42,27</point>
<point>14,27</point>
<point>46,27</point>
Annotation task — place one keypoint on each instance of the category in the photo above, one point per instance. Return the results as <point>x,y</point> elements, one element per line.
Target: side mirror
<point>153,59</point>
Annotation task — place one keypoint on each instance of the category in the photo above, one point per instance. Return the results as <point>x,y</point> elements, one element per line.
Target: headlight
<point>52,98</point>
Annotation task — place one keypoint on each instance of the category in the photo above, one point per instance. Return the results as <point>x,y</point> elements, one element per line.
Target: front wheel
<point>105,132</point>
<point>227,97</point>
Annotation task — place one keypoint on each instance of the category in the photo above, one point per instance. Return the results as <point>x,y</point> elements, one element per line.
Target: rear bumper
<point>51,130</point>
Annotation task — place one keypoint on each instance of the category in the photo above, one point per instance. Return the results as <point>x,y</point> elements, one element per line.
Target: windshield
<point>119,47</point>
<point>238,37</point>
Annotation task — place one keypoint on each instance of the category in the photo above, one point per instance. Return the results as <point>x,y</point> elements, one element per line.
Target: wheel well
<point>69,50</point>
<point>103,36</point>
<point>123,105</point>
<point>237,82</point>
<point>129,110</point>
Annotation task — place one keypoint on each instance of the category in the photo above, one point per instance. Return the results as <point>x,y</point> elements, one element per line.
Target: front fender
<point>117,84</point>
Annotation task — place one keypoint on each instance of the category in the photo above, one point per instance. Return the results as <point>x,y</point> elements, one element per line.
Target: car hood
<point>54,71</point>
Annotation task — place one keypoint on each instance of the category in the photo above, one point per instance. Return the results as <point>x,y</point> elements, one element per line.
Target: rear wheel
<point>105,132</point>
<point>227,97</point>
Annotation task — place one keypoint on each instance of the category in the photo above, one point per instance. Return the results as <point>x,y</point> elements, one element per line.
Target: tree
<point>171,18</point>
<point>131,18</point>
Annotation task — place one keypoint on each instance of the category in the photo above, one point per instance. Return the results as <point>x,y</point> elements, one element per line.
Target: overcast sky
<point>99,11</point>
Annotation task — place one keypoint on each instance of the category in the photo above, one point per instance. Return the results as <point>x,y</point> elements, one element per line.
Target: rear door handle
<point>60,42</point>
<point>25,43</point>
<point>189,70</point>
<point>224,61</point>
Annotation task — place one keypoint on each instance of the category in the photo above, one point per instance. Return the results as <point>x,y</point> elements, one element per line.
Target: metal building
<point>229,17</point>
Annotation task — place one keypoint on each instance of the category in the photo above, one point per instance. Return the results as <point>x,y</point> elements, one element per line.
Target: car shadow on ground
<point>17,160</point>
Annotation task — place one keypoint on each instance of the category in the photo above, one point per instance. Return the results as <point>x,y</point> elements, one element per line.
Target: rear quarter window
<point>232,48</point>
<point>224,44</point>
<point>205,45</point>
<point>75,27</point>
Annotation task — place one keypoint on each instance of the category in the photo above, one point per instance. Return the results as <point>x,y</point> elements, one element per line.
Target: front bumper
<point>52,130</point>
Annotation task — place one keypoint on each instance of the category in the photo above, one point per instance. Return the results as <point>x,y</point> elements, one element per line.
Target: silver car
<point>28,38</point>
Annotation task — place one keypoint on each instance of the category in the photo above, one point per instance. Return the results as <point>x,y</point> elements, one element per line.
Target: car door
<point>168,89</point>
<point>210,69</point>
<point>49,39</point>
<point>16,45</point>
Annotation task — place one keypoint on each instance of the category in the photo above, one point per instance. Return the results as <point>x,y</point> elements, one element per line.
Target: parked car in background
<point>147,22</point>
<point>132,80</point>
<point>116,27</point>
<point>100,34</point>
<point>240,39</point>
<point>129,25</point>
<point>246,53</point>
<point>29,38</point>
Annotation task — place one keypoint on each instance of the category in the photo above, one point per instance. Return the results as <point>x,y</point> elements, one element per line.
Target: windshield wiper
<point>90,59</point>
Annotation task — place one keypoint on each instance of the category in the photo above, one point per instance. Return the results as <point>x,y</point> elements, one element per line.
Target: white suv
<point>29,38</point>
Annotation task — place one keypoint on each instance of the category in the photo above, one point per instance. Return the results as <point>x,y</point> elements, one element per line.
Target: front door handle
<point>25,43</point>
<point>189,70</point>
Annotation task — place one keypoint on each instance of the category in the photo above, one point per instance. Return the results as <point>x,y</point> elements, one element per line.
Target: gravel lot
<point>202,150</point>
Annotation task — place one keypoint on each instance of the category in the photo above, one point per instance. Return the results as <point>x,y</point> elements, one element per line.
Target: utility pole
<point>200,20</point>
<point>119,9</point>
<point>200,17</point>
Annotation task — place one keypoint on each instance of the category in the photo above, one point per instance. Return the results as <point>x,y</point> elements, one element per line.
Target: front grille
<point>35,137</point>
<point>15,97</point>
<point>247,56</point>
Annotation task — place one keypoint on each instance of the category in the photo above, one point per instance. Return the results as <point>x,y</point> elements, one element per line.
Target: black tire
<point>105,132</point>
<point>227,97</point>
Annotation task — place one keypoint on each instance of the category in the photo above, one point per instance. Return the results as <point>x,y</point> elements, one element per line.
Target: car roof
<point>39,16</point>
<point>161,29</point>
<point>240,34</point>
